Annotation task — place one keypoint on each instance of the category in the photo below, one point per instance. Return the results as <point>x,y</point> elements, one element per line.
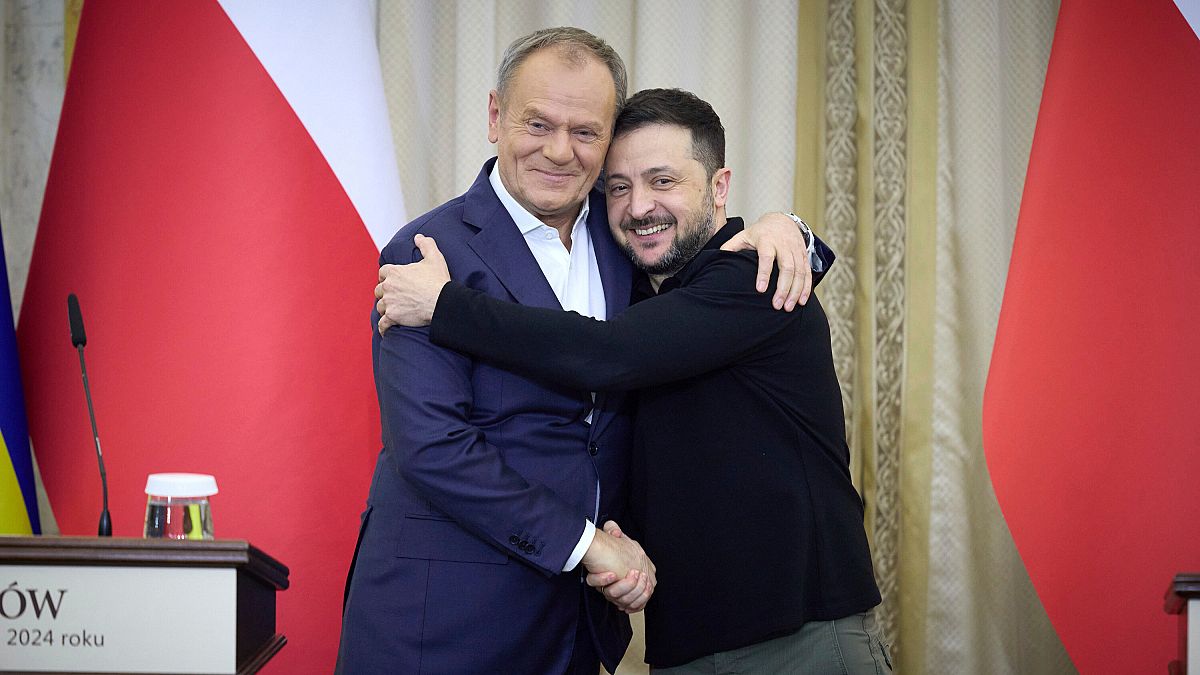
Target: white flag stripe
<point>323,56</point>
<point>1191,12</point>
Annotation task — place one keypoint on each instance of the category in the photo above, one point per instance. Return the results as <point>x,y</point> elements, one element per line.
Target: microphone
<point>78,335</point>
<point>78,340</point>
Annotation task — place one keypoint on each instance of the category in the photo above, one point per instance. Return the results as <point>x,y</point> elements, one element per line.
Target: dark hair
<point>575,44</point>
<point>683,109</point>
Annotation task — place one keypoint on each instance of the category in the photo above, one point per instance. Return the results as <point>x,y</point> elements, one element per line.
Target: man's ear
<point>720,186</point>
<point>493,116</point>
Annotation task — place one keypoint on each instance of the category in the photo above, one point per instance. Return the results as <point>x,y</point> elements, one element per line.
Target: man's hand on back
<point>778,240</point>
<point>407,294</point>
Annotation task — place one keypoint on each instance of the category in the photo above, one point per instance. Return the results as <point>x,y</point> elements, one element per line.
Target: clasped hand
<point>619,568</point>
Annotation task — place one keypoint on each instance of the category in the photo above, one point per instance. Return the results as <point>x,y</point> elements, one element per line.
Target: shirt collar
<point>642,289</point>
<point>526,221</point>
<point>731,227</point>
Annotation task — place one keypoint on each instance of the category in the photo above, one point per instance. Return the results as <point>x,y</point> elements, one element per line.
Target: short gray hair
<point>575,44</point>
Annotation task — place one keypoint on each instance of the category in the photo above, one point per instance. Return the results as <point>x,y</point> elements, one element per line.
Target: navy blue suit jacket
<point>485,478</point>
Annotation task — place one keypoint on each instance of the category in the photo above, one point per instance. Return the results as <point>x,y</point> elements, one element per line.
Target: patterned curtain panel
<point>929,112</point>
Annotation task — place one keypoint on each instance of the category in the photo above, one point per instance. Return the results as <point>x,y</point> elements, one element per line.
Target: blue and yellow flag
<point>18,494</point>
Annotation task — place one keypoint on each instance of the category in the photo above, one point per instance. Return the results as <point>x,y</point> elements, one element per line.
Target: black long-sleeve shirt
<point>741,493</point>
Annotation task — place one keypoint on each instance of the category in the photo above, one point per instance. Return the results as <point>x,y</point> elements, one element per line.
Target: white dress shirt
<point>574,277</point>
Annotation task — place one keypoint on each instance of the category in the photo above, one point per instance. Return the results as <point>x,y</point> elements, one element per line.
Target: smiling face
<point>662,206</point>
<point>552,130</point>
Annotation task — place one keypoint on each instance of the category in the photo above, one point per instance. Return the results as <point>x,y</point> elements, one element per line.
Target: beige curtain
<point>31,94</point>
<point>440,59</point>
<point>928,112</point>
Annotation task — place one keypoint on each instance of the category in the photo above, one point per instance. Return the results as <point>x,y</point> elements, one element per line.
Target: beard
<point>689,239</point>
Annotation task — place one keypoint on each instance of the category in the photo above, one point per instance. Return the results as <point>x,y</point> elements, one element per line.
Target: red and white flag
<point>221,179</point>
<point>1089,416</point>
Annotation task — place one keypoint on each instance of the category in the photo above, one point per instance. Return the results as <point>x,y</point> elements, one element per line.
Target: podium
<point>1183,598</point>
<point>119,605</point>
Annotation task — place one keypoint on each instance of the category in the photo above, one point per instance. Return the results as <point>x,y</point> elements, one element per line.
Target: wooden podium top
<point>1184,587</point>
<point>129,551</point>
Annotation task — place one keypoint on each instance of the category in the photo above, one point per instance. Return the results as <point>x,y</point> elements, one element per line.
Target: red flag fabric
<point>1088,415</point>
<point>226,281</point>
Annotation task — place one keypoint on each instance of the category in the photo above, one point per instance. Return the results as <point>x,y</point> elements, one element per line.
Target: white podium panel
<point>1183,599</point>
<point>133,605</point>
<point>98,619</point>
<point>1193,636</point>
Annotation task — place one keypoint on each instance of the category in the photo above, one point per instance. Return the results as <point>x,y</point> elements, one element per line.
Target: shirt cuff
<point>585,541</point>
<point>814,260</point>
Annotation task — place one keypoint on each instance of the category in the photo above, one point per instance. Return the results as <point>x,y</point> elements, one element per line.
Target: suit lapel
<point>501,247</point>
<point>616,275</point>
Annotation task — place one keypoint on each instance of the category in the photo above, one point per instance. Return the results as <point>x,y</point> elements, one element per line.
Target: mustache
<point>648,221</point>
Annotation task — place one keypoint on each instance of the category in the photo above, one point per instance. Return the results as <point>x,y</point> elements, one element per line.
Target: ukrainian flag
<point>18,495</point>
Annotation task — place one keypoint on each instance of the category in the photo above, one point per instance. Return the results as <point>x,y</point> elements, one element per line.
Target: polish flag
<point>1089,415</point>
<point>222,178</point>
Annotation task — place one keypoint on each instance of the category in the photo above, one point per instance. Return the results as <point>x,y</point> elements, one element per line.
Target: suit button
<point>593,449</point>
<point>513,540</point>
<point>523,545</point>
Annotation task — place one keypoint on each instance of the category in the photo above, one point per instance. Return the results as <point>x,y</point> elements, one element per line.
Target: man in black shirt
<point>756,528</point>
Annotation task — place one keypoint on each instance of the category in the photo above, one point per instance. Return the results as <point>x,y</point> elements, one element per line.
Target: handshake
<point>618,567</point>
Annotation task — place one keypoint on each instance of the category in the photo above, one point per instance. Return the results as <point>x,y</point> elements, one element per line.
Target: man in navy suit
<point>483,511</point>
